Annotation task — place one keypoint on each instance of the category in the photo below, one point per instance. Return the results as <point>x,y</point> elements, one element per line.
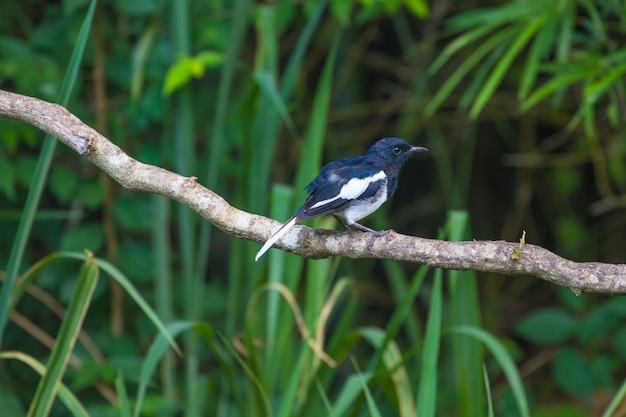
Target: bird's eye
<point>396,150</point>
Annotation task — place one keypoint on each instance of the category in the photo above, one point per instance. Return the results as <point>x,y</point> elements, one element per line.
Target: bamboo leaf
<point>457,76</point>
<point>503,66</point>
<point>539,49</point>
<point>555,84</point>
<point>597,89</point>
<point>457,44</point>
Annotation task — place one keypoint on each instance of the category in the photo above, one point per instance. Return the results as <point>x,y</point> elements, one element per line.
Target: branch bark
<point>488,256</point>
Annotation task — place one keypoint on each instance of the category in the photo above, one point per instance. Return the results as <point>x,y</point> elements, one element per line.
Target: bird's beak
<point>418,149</point>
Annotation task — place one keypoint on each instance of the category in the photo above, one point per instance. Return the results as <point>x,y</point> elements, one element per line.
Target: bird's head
<point>393,150</point>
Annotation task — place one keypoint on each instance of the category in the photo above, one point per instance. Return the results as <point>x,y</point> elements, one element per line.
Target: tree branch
<point>488,256</point>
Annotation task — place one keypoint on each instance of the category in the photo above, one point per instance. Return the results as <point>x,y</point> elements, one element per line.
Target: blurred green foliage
<point>521,105</point>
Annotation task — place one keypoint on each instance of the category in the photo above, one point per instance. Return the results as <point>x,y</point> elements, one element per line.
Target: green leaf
<point>210,59</point>
<point>63,183</point>
<point>25,170</point>
<point>133,212</point>
<point>341,10</point>
<point>7,178</point>
<point>619,341</point>
<point>135,259</point>
<point>187,67</point>
<point>572,374</point>
<point>137,7</point>
<point>90,193</point>
<point>601,322</point>
<point>546,326</point>
<point>418,8</point>
<point>88,236</point>
<point>10,403</point>
<point>178,75</point>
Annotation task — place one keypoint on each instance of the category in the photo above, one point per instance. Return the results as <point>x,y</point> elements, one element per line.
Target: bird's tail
<point>275,236</point>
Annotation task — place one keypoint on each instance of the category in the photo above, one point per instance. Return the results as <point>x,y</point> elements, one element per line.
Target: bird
<point>353,187</point>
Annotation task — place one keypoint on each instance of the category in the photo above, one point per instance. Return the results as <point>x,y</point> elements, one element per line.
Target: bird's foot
<point>376,234</point>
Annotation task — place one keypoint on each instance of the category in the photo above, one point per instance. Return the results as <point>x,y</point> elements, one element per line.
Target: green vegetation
<point>114,303</point>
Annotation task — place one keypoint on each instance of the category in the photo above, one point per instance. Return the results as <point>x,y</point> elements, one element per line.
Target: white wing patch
<point>353,189</point>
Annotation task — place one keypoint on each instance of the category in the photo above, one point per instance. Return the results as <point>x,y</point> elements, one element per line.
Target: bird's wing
<point>334,189</point>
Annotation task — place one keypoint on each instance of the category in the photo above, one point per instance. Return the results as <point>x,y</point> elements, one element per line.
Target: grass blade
<point>316,128</point>
<point>427,391</point>
<point>68,333</point>
<point>241,11</point>
<point>155,353</point>
<point>464,309</point>
<point>488,391</point>
<point>267,84</point>
<point>616,401</point>
<point>185,163</point>
<point>295,60</point>
<point>504,359</point>
<point>351,389</point>
<point>371,404</point>
<point>66,396</point>
<point>122,395</point>
<point>393,360</point>
<point>163,288</point>
<point>41,170</point>
<point>116,274</point>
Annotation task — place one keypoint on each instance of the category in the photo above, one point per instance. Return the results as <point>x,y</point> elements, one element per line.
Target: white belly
<point>361,209</point>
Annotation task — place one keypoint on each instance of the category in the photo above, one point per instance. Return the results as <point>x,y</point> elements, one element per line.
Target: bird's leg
<point>374,233</point>
<point>367,229</point>
<point>341,222</point>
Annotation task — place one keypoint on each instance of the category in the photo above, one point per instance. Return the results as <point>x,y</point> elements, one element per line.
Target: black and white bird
<point>353,187</point>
